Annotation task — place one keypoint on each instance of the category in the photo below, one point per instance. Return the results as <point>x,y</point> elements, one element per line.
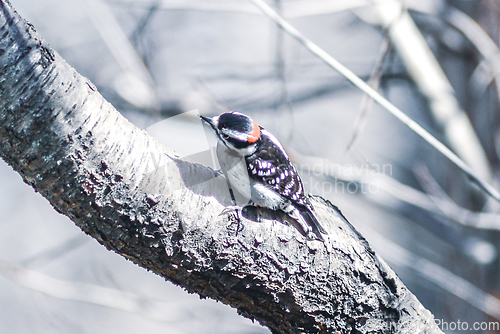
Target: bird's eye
<point>225,136</point>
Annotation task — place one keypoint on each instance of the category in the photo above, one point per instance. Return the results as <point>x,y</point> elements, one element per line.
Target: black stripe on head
<point>236,143</point>
<point>235,121</point>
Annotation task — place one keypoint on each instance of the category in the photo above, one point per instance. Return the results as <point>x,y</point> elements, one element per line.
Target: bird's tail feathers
<point>313,222</point>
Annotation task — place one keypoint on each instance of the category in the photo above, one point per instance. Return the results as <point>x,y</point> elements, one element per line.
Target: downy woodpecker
<point>258,168</point>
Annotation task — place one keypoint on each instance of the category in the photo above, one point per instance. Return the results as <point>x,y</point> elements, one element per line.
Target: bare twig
<point>431,187</point>
<point>210,95</point>
<point>91,293</point>
<point>135,84</point>
<point>55,252</point>
<point>366,102</point>
<point>478,37</point>
<point>138,32</point>
<point>284,98</point>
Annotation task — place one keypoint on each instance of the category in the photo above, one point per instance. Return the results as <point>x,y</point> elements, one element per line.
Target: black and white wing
<point>270,165</point>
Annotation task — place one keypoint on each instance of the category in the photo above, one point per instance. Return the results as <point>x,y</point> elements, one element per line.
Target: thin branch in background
<point>137,35</point>
<point>210,95</point>
<point>431,187</point>
<point>56,252</point>
<point>281,73</point>
<point>374,82</point>
<point>279,58</point>
<point>135,84</point>
<point>480,79</point>
<point>316,50</point>
<point>90,293</point>
<point>144,22</point>
<point>479,38</point>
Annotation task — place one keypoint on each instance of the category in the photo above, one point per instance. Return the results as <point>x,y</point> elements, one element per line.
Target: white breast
<point>235,170</point>
<point>245,189</point>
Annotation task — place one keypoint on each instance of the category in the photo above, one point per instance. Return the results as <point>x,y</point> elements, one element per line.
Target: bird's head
<point>237,131</point>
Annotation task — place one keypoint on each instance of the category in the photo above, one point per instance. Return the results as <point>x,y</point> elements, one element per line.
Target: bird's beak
<point>210,121</point>
<point>206,119</point>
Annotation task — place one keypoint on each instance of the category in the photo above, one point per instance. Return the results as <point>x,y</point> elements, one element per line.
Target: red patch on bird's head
<point>255,134</point>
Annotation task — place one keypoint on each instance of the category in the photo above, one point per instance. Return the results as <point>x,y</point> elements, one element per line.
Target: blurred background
<point>436,60</point>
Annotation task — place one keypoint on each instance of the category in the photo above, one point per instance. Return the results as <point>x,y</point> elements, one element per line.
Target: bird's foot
<point>235,212</point>
<point>235,209</point>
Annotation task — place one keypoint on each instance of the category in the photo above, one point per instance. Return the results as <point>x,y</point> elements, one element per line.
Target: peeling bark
<point>145,203</point>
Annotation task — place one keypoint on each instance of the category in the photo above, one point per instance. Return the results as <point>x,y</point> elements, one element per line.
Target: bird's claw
<point>236,212</point>
<point>230,209</point>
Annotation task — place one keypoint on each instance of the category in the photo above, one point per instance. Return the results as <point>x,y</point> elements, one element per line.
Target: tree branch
<point>145,203</point>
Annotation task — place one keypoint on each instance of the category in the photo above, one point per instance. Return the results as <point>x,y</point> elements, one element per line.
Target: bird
<point>257,167</point>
